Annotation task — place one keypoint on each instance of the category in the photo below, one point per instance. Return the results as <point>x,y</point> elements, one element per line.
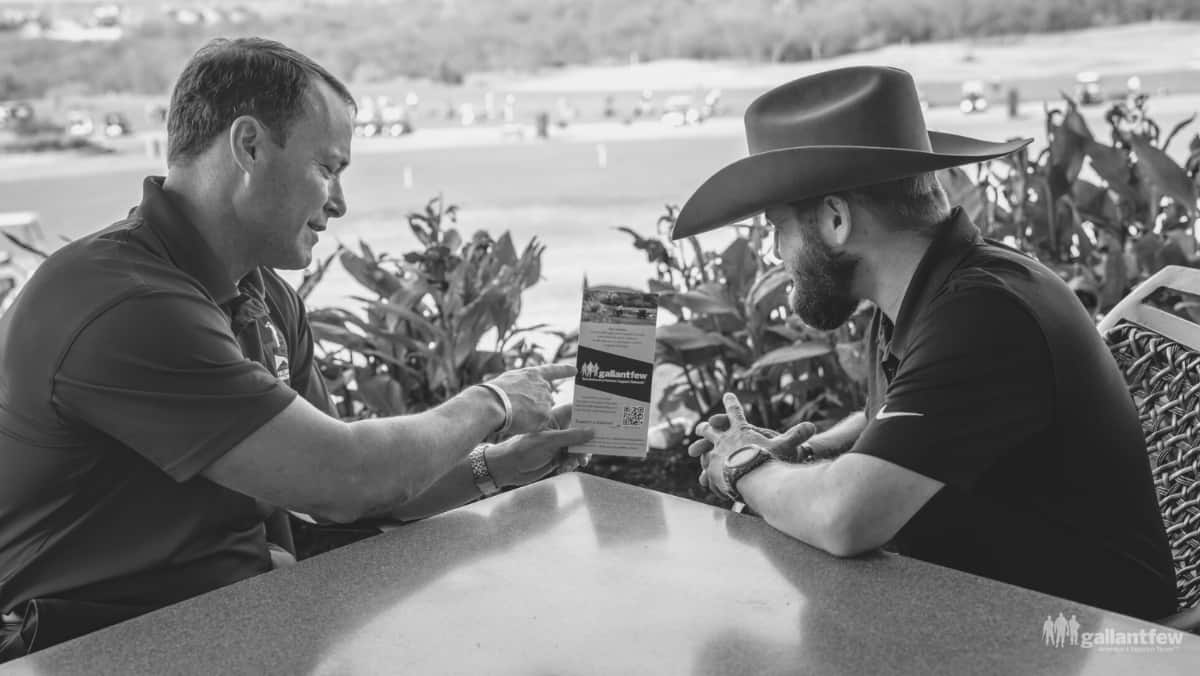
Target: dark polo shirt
<point>128,364</point>
<point>995,382</point>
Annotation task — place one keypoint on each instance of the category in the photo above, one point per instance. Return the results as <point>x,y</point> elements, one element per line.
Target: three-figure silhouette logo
<point>1059,631</point>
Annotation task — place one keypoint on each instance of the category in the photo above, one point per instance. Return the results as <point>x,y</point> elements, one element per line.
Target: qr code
<point>633,416</point>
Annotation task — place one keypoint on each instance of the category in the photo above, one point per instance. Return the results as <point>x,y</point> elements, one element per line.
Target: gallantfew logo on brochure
<point>592,371</point>
<point>614,374</point>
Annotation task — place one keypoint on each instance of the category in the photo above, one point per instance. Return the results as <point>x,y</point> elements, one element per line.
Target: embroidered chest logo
<point>278,350</point>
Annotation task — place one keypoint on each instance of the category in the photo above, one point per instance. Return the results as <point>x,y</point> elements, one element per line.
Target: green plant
<point>436,320</point>
<point>1086,208</point>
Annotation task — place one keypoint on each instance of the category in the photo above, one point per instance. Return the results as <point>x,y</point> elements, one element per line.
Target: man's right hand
<point>784,446</point>
<point>531,395</point>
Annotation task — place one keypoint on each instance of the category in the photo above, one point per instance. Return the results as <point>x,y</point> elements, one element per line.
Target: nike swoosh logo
<point>884,414</point>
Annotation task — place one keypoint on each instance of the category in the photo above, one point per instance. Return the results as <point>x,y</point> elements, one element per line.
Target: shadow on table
<point>459,537</point>
<point>873,614</point>
<point>601,499</point>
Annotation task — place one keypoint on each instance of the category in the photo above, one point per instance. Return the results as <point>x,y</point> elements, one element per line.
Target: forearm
<point>407,456</point>
<point>839,438</point>
<point>454,489</point>
<point>795,500</point>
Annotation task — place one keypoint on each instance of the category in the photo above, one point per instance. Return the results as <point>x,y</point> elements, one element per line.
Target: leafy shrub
<point>417,339</point>
<point>1089,209</point>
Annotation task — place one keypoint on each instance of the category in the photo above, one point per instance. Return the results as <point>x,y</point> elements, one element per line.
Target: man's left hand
<point>725,442</point>
<point>525,458</point>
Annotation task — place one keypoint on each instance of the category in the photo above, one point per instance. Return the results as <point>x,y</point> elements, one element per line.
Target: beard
<point>821,290</point>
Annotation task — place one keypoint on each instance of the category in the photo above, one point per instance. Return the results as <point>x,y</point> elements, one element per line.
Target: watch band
<point>480,472</point>
<point>733,473</point>
<point>505,402</point>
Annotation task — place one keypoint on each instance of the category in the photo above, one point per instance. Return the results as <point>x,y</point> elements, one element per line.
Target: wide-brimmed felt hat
<point>826,133</point>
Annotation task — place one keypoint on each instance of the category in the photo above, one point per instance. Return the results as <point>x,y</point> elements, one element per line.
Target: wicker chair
<point>1157,347</point>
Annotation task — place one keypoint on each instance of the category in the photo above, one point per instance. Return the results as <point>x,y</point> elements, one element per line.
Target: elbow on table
<point>845,534</point>
<point>359,491</point>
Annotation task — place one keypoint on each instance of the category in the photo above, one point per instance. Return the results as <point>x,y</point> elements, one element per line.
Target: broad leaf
<point>769,291</point>
<point>962,191</point>
<point>1164,173</point>
<point>1112,165</point>
<point>684,337</point>
<point>382,394</point>
<point>504,251</point>
<point>370,275</point>
<point>338,335</point>
<point>788,355</point>
<point>418,322</point>
<point>705,301</point>
<point>738,265</point>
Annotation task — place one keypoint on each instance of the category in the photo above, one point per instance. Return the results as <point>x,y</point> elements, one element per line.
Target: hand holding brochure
<point>615,363</point>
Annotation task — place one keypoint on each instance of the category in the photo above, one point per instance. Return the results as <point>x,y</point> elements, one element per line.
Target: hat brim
<point>751,184</point>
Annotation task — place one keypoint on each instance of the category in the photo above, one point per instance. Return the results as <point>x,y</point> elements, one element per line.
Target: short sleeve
<point>975,383</point>
<point>161,373</point>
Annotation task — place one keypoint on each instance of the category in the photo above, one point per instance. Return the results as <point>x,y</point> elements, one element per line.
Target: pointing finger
<point>552,372</point>
<point>733,408</point>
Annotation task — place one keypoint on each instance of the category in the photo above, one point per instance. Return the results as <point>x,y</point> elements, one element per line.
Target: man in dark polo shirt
<point>158,397</point>
<point>998,437</point>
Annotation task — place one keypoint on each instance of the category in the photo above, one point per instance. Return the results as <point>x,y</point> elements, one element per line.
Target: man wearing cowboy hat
<point>998,436</point>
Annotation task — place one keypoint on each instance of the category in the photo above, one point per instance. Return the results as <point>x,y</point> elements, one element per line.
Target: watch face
<point>742,456</point>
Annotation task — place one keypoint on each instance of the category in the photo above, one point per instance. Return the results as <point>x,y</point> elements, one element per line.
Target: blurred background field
<point>553,189</point>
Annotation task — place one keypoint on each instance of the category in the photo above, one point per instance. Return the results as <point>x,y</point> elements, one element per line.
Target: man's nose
<point>335,207</point>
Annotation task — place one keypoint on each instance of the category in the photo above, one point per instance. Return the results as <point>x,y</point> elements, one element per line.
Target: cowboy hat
<point>826,133</point>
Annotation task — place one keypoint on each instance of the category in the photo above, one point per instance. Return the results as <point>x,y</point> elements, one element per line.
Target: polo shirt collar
<point>184,245</point>
<point>956,237</point>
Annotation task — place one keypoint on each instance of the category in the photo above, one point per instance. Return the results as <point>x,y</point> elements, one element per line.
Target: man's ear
<point>835,220</point>
<point>246,139</point>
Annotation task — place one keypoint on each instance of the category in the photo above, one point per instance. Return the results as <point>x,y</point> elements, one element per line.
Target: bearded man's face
<point>822,278</point>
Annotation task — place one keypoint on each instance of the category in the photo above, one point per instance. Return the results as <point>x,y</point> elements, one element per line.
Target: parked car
<point>973,98</point>
<point>679,111</point>
<point>116,124</point>
<point>80,123</point>
<point>1088,91</point>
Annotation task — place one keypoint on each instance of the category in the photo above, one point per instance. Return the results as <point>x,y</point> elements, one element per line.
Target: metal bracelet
<point>480,472</point>
<point>505,402</point>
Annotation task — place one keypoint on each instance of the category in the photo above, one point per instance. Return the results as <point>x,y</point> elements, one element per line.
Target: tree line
<point>372,40</point>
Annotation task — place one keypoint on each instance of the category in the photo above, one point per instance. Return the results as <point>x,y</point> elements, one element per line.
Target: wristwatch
<point>740,463</point>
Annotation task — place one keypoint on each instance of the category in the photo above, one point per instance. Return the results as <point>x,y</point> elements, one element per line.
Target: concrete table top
<point>579,575</point>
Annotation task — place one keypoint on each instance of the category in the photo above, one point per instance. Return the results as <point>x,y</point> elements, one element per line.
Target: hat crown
<point>860,106</point>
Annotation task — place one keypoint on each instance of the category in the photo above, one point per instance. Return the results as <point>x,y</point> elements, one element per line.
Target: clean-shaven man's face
<point>300,189</point>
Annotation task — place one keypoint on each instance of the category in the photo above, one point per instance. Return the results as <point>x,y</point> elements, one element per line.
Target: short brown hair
<point>919,202</point>
<point>226,79</point>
